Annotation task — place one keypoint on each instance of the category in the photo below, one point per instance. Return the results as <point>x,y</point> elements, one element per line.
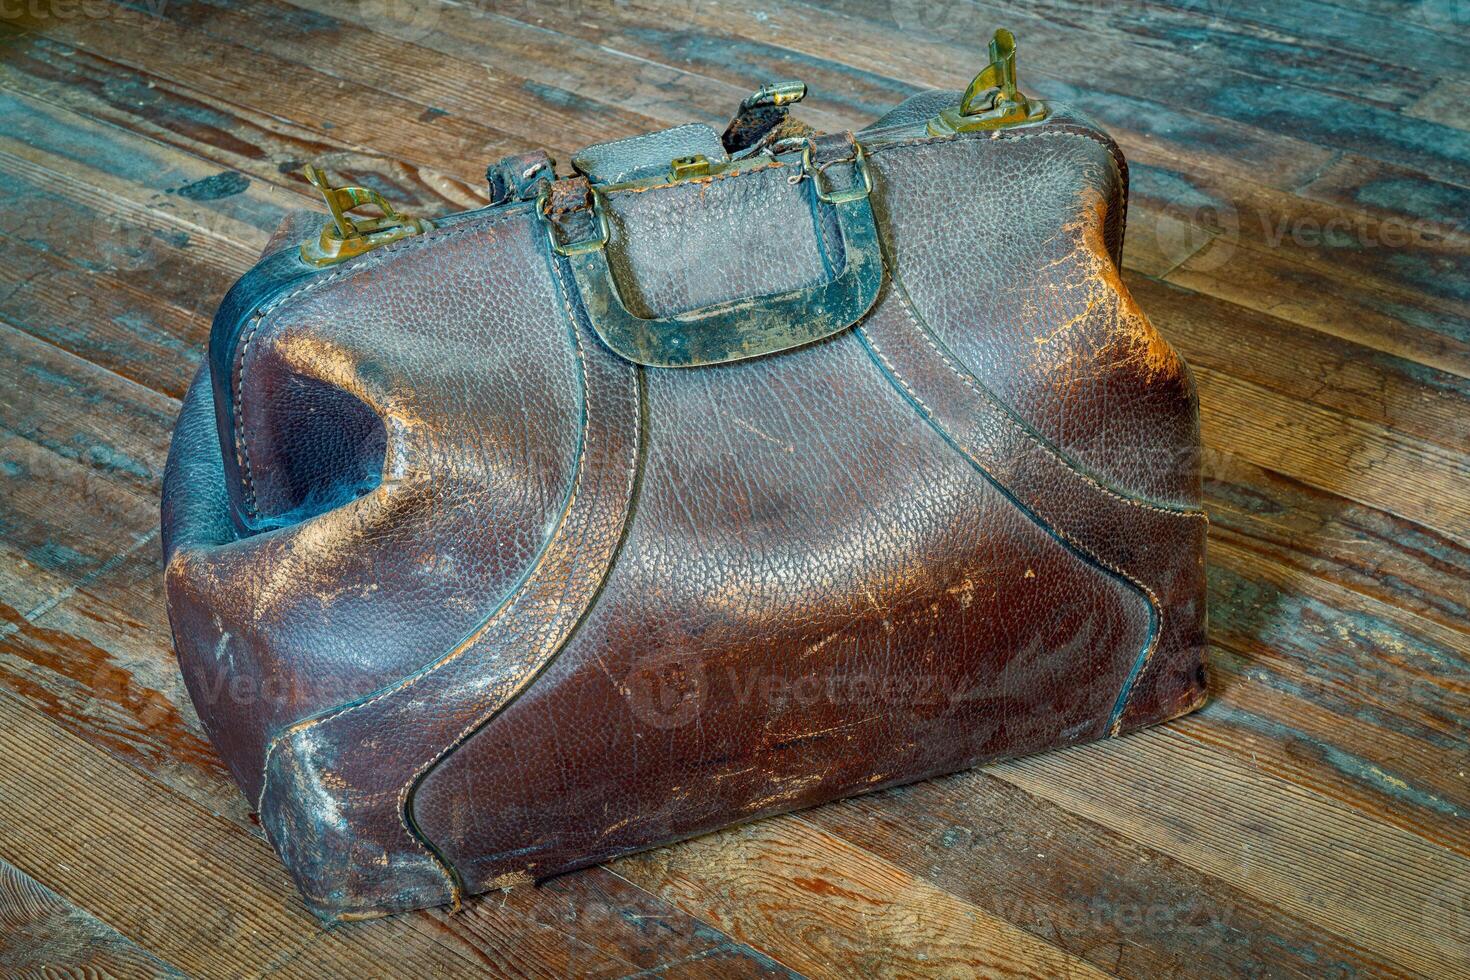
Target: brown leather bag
<point>726,476</point>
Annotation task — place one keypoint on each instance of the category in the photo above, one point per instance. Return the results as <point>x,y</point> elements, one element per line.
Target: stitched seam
<point>1137,673</point>
<point>460,647</point>
<point>1060,129</point>
<point>380,255</point>
<point>627,491</point>
<point>1143,660</point>
<point>576,490</point>
<point>640,136</point>
<point>969,382</point>
<point>242,455</point>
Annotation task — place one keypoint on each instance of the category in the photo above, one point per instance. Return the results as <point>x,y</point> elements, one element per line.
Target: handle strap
<point>744,327</point>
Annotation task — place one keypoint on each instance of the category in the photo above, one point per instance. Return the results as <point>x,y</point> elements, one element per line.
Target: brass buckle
<point>992,100</point>
<point>690,167</point>
<point>594,244</point>
<point>344,237</point>
<point>859,160</point>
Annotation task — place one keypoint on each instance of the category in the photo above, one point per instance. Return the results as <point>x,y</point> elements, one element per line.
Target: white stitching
<point>1190,512</point>
<point>463,646</point>
<point>627,492</point>
<point>504,609</point>
<point>1153,598</point>
<point>900,292</point>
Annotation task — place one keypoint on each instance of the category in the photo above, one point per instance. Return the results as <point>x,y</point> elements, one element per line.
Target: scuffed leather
<point>505,604</point>
<point>641,156</point>
<point>326,610</point>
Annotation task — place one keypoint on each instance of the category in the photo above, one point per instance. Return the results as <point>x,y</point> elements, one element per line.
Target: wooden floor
<point>1298,229</point>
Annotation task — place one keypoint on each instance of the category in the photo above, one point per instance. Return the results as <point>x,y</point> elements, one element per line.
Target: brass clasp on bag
<point>992,100</point>
<point>344,237</point>
<point>856,192</point>
<point>593,243</point>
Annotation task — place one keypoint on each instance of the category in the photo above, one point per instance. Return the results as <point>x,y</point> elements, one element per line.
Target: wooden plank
<point>123,436</point>
<point>1125,907</point>
<point>559,52</point>
<point>227,229</point>
<point>354,113</point>
<point>134,333</point>
<point>1374,885</point>
<point>1393,392</point>
<point>1112,67</point>
<point>829,909</point>
<point>1340,28</point>
<point>1293,49</point>
<point>543,54</point>
<point>1395,322</point>
<point>264,147</point>
<point>547,930</point>
<point>1310,535</point>
<point>1445,103</point>
<point>103,461</point>
<point>1348,457</point>
<point>1392,193</point>
<point>538,82</point>
<point>43,936</point>
<point>1347,651</point>
<point>1414,784</point>
<point>1291,663</point>
<point>1423,258</point>
<point>942,53</point>
<point>189,886</point>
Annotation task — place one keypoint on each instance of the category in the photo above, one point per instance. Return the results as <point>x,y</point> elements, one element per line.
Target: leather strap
<point>519,177</point>
<point>742,327</point>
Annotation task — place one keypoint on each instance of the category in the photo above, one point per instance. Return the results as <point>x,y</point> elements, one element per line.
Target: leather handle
<point>745,327</point>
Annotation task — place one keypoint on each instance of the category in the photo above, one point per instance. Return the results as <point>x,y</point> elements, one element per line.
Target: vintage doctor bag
<point>723,476</point>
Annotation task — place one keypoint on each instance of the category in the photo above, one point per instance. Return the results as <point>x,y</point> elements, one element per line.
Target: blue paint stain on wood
<point>1351,661</point>
<point>1354,768</point>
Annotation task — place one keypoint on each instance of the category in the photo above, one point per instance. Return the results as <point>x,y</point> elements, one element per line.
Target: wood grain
<point>1297,229</point>
<point>43,936</point>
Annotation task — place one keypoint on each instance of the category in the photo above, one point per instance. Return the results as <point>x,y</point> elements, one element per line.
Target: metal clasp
<point>992,100</point>
<point>344,237</point>
<point>859,161</point>
<point>592,244</point>
<point>685,168</point>
<point>778,94</point>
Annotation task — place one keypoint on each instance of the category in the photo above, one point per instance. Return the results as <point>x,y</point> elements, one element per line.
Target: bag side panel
<point>459,349</point>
